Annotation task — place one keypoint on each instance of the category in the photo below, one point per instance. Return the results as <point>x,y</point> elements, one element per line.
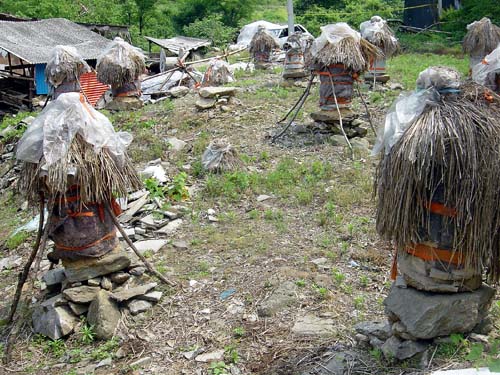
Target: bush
<point>456,21</point>
<point>211,28</point>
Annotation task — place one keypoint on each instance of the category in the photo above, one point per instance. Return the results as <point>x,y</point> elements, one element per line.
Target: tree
<point>144,7</point>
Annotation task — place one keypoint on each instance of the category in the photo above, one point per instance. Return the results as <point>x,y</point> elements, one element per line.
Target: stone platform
<point>329,121</point>
<point>380,78</point>
<point>125,103</point>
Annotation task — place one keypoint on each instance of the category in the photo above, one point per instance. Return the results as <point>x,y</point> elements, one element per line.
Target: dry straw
<point>262,41</point>
<point>120,64</point>
<point>454,144</point>
<point>99,175</point>
<point>65,65</point>
<point>482,38</point>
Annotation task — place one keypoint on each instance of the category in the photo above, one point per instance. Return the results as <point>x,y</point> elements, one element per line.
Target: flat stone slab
<point>171,227</point>
<point>217,355</point>
<point>139,306</point>
<point>54,277</point>
<point>401,349</point>
<point>150,245</point>
<point>283,297</point>
<point>333,116</point>
<point>311,325</point>
<point>178,91</point>
<point>78,309</point>
<point>152,296</point>
<point>86,269</point>
<point>121,295</point>
<point>81,294</point>
<point>212,92</point>
<point>426,315</point>
<point>205,103</point>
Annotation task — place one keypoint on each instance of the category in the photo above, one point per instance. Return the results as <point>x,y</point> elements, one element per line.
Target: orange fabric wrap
<point>69,248</point>
<point>440,209</point>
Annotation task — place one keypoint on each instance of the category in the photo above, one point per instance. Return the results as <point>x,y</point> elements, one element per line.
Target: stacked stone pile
<point>211,97</point>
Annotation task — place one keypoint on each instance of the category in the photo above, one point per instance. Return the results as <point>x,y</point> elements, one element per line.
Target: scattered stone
<point>395,348</point>
<point>213,219</point>
<point>10,262</point>
<point>138,306</point>
<point>333,116</point>
<point>130,232</point>
<point>121,295</point>
<point>178,91</point>
<point>181,245</point>
<point>176,144</point>
<point>212,92</point>
<point>190,355</point>
<point>140,231</point>
<point>311,325</point>
<point>53,322</point>
<point>338,140</point>
<point>120,353</point>
<point>106,284</point>
<point>120,277</point>
<point>104,363</point>
<point>284,296</point>
<point>381,330</point>
<point>150,221</point>
<point>360,144</point>
<point>320,263</point>
<point>396,86</point>
<point>171,227</point>
<point>104,315</point>
<point>136,195</point>
<point>86,269</point>
<point>142,362</point>
<point>203,103</point>
<point>426,315</point>
<point>151,296</point>
<point>211,211</point>
<point>263,197</point>
<point>150,245</point>
<point>217,355</point>
<point>78,309</point>
<point>125,103</point>
<point>81,294</point>
<point>94,282</point>
<point>54,277</point>
<point>134,208</point>
<point>137,271</point>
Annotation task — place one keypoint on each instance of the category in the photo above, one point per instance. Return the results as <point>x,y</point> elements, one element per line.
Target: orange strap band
<point>108,236</point>
<point>440,209</point>
<point>339,100</point>
<point>430,253</point>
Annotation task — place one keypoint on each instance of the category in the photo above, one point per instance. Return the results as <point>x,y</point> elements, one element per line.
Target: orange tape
<point>430,254</point>
<point>440,209</point>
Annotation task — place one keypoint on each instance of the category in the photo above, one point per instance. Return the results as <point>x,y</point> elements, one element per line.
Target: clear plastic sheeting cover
<point>50,135</point>
<point>408,107</point>
<point>438,77</point>
<point>65,64</point>
<point>248,31</point>
<point>333,34</point>
<point>214,154</point>
<point>484,73</point>
<point>369,29</point>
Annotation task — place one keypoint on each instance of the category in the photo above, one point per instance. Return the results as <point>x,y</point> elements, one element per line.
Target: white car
<point>282,32</point>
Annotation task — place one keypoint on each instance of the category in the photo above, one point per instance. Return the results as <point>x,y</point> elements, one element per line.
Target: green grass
<point>440,44</point>
<point>406,68</point>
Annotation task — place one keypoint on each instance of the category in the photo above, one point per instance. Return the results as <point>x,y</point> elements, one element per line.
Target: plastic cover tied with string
<point>65,65</point>
<point>485,72</point>
<point>377,32</point>
<point>431,83</point>
<point>120,63</point>
<point>50,135</point>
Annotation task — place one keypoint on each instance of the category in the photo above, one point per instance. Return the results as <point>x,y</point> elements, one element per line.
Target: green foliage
<point>300,283</point>
<point>213,28</point>
<point>239,332</point>
<point>54,347</point>
<point>456,21</point>
<point>154,188</point>
<point>17,239</point>
<point>13,121</point>
<point>231,353</point>
<point>178,190</point>
<point>218,368</point>
<point>105,350</point>
<point>87,333</point>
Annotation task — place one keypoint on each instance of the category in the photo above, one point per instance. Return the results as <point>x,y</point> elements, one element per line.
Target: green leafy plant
<point>17,239</point>
<point>300,283</point>
<point>105,350</point>
<point>88,334</point>
<point>218,368</point>
<point>239,332</point>
<point>178,190</point>
<point>231,354</point>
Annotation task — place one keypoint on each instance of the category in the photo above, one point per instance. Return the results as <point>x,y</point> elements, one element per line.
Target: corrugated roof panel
<point>92,88</point>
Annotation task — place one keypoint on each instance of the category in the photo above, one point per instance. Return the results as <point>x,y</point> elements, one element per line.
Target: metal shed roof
<point>174,44</point>
<point>33,41</point>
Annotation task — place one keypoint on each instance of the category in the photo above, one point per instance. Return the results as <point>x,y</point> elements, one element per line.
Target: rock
<point>170,227</point>
<point>212,92</point>
<point>86,269</point>
<point>181,245</point>
<point>211,211</point>
<point>125,103</point>
<point>396,86</point>
<point>381,330</point>
<point>54,277</point>
<point>138,306</point>
<point>53,322</point>
<point>263,197</point>
<point>284,296</point>
<point>120,353</point>
<point>150,245</point>
<point>104,363</point>
<point>106,284</point>
<point>151,296</point>
<point>395,348</point>
<point>121,294</point>
<point>361,340</point>
<point>332,117</point>
<point>311,325</point>
<point>137,271</point>
<point>320,263</point>
<point>10,262</point>
<point>94,282</point>
<point>203,103</point>
<point>142,362</point>
<point>338,140</point>
<point>212,218</point>
<point>360,144</point>
<point>78,309</point>
<point>120,277</point>
<point>426,315</point>
<point>176,144</point>
<point>217,355</point>
<point>130,232</point>
<point>134,208</point>
<point>140,231</point>
<point>104,315</point>
<point>178,91</point>
<point>81,294</point>
<point>225,108</point>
